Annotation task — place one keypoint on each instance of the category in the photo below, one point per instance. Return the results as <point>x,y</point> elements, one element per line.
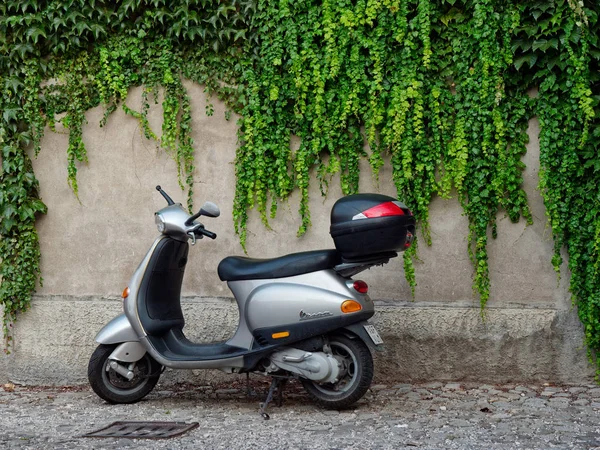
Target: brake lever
<point>193,236</point>
<point>165,196</point>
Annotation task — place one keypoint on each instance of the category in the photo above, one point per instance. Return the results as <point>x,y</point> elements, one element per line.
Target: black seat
<point>235,268</point>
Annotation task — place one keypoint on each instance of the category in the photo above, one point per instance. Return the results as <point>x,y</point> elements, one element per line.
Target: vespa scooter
<point>300,315</point>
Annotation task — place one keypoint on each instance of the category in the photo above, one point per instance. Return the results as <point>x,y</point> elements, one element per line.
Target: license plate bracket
<point>373,334</point>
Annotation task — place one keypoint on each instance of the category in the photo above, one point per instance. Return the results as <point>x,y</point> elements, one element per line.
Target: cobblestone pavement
<point>422,416</point>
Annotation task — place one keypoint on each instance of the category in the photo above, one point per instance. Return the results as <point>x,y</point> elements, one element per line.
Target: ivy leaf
<point>97,30</point>
<point>23,49</point>
<point>73,16</point>
<point>161,14</point>
<point>13,84</point>
<point>536,13</point>
<point>453,14</point>
<point>550,63</point>
<point>176,29</point>
<point>81,27</point>
<point>9,211</point>
<point>523,44</point>
<point>59,48</point>
<point>192,32</point>
<point>531,58</point>
<point>57,22</point>
<point>10,114</point>
<point>39,206</point>
<point>33,34</point>
<point>14,20</point>
<point>213,21</point>
<point>239,34</point>
<point>129,4</point>
<point>26,213</point>
<point>545,44</point>
<point>224,10</point>
<point>7,225</point>
<point>8,151</point>
<point>575,35</point>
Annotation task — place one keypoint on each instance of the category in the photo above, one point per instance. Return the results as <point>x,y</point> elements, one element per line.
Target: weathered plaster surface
<point>91,245</point>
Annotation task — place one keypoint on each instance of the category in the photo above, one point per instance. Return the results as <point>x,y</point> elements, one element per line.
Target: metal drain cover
<point>143,430</point>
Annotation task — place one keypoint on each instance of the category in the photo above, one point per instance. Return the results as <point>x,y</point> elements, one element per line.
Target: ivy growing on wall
<point>439,88</point>
<point>60,58</point>
<point>425,80</point>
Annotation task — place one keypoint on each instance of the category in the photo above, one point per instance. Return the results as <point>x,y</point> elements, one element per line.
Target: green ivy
<point>60,58</point>
<point>439,88</point>
<point>568,70</point>
<point>426,81</point>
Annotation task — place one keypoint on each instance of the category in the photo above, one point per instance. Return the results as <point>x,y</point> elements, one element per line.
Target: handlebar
<point>200,231</point>
<point>205,232</point>
<point>192,218</point>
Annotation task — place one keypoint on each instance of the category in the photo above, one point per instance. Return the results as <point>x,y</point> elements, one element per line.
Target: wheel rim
<point>121,385</point>
<point>350,362</point>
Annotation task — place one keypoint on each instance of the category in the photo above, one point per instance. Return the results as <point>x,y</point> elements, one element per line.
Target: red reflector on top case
<point>384,210</point>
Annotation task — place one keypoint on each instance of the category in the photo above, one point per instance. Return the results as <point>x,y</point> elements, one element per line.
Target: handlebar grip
<point>206,233</point>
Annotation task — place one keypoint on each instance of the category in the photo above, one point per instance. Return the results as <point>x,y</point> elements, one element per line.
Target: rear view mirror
<point>209,209</point>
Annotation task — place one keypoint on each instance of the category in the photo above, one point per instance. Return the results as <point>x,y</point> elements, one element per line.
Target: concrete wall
<point>91,246</point>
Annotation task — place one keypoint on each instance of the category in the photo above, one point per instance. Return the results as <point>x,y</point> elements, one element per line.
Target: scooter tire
<point>353,385</point>
<point>114,388</point>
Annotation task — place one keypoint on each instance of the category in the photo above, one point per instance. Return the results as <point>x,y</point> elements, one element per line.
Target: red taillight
<point>409,240</point>
<point>361,286</point>
<point>384,210</point>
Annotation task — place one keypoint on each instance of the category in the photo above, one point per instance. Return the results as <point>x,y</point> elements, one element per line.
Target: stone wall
<point>91,245</point>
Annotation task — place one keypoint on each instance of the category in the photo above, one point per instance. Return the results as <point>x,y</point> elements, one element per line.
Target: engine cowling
<point>316,366</point>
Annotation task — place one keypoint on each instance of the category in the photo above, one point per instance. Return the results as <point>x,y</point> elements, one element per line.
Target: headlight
<point>160,223</point>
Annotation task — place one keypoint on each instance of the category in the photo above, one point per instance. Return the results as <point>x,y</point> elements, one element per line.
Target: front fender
<point>116,331</point>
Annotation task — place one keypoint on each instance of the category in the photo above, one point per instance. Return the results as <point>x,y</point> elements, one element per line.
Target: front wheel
<point>355,379</point>
<point>115,388</point>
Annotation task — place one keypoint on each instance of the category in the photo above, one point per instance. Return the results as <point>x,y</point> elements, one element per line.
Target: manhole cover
<point>143,430</point>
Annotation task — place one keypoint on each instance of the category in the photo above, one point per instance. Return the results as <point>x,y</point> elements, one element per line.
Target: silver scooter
<point>300,316</point>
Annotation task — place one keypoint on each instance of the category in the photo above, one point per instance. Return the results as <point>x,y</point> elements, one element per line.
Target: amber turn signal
<point>281,334</point>
<point>350,306</point>
<point>125,292</point>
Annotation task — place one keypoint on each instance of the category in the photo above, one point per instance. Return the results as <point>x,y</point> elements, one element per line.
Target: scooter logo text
<point>317,315</point>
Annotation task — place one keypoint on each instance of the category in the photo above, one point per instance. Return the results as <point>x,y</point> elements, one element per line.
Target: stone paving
<point>423,416</point>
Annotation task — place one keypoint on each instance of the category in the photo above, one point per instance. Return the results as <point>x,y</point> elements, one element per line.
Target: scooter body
<point>291,308</point>
<point>300,316</point>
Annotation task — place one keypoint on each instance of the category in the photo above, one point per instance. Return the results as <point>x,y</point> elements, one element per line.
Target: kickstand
<point>280,388</point>
<point>249,391</point>
<point>277,383</point>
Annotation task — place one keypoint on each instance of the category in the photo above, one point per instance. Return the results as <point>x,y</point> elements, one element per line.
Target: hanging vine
<point>438,89</point>
<point>568,110</point>
<point>60,58</point>
<point>410,72</point>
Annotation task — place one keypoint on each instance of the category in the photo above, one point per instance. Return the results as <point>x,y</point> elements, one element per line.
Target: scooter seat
<point>234,268</point>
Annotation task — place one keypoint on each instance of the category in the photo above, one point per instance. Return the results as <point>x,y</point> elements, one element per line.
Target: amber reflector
<point>125,292</point>
<point>281,334</point>
<point>350,306</point>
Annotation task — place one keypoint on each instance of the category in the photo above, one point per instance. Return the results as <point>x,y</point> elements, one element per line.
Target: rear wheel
<point>355,379</point>
<point>114,387</point>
